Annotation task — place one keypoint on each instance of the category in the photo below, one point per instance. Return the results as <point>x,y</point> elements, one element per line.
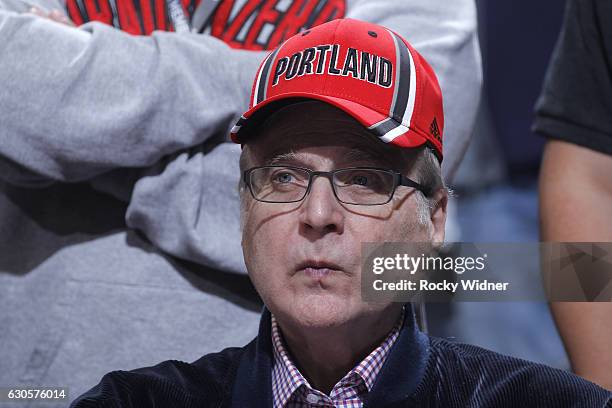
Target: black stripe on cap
<point>265,74</point>
<point>382,128</point>
<point>402,84</point>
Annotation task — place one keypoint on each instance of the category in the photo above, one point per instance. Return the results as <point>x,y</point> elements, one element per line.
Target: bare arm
<point>576,205</point>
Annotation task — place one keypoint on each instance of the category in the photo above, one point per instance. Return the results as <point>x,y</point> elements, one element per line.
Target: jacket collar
<point>398,379</point>
<point>253,384</point>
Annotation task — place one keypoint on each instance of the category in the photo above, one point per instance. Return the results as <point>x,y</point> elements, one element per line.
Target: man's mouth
<point>318,269</point>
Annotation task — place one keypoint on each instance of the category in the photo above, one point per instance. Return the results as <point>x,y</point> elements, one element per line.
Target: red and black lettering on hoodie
<point>246,24</point>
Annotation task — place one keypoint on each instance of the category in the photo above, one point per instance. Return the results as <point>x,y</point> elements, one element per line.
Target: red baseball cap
<point>367,70</point>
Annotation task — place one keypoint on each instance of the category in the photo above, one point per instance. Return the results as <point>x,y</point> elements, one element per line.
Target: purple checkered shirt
<point>291,390</point>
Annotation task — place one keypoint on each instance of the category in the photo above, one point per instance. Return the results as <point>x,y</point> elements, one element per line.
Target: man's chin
<point>311,312</point>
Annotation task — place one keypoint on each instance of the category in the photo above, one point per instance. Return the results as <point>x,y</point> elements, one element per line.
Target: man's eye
<point>359,180</point>
<point>283,178</point>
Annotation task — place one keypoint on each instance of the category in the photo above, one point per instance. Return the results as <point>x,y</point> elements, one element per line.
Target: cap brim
<point>402,135</point>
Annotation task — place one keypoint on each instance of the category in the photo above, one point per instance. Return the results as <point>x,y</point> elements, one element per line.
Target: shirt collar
<point>287,379</point>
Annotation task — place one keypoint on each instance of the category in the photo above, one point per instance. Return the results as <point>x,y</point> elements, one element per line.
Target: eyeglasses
<point>355,185</point>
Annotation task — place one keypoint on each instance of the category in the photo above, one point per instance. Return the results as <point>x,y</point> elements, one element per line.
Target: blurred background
<point>496,186</point>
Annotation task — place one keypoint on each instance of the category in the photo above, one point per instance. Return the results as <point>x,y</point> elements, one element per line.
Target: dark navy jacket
<point>420,371</point>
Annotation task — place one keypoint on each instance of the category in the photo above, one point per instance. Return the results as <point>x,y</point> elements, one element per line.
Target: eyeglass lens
<point>352,186</point>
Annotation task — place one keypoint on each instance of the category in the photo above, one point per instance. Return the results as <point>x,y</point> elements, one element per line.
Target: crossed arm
<point>130,114</point>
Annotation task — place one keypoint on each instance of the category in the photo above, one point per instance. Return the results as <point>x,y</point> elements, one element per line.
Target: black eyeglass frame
<point>398,180</point>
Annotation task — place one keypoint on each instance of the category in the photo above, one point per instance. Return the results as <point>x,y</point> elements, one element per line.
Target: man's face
<point>305,258</point>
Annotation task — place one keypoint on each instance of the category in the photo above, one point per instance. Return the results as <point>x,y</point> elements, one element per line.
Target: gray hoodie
<point>119,226</point>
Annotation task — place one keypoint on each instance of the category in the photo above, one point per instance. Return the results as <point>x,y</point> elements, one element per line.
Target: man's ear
<point>438,215</point>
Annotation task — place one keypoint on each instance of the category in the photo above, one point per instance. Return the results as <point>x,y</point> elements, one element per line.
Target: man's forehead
<point>338,155</point>
<point>312,124</point>
<point>309,115</point>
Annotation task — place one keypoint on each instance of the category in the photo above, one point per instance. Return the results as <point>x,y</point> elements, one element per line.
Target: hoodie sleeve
<point>78,102</point>
<point>188,204</point>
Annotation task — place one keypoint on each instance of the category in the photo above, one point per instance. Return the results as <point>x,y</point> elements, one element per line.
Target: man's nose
<point>321,212</point>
